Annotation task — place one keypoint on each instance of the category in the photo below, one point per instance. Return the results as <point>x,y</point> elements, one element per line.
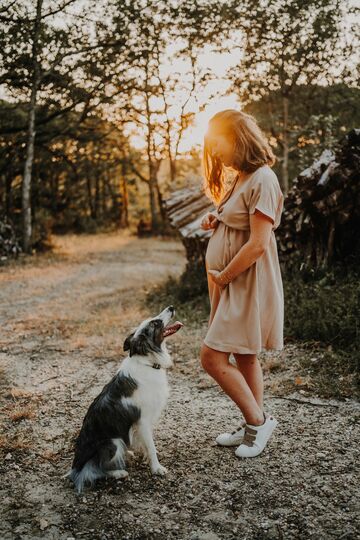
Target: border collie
<point>125,412</point>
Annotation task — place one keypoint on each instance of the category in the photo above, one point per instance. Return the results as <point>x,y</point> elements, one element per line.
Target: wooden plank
<point>187,199</point>
<point>185,209</point>
<point>191,212</point>
<point>180,197</point>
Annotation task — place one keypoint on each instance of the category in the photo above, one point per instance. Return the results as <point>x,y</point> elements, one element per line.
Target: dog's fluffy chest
<point>152,390</point>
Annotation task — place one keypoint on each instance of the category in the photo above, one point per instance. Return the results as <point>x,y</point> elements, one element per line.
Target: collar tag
<point>156,366</point>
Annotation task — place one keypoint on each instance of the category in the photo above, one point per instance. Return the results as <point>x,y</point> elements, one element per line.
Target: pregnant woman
<point>243,271</point>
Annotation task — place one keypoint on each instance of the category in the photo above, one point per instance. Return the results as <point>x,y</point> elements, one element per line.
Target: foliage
<point>322,308</point>
<point>291,44</point>
<point>94,79</point>
<point>102,76</point>
<point>317,118</point>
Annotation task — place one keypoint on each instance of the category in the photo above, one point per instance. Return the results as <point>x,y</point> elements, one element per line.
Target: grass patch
<point>13,443</point>
<point>334,372</point>
<point>323,309</point>
<point>22,413</point>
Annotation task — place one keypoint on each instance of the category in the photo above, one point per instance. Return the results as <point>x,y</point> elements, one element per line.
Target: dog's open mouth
<point>172,328</point>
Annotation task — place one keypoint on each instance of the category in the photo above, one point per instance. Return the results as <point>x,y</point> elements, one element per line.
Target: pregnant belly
<point>215,252</point>
<point>224,244</point>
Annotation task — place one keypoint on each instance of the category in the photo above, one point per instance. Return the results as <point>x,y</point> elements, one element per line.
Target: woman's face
<point>222,146</point>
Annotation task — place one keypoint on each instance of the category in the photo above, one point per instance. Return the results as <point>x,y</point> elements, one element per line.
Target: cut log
<point>320,225</point>
<point>185,209</point>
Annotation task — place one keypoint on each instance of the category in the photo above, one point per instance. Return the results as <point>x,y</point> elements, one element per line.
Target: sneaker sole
<point>232,444</point>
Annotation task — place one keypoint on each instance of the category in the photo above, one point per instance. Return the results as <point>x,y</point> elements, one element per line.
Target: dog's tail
<point>91,471</point>
<point>87,475</point>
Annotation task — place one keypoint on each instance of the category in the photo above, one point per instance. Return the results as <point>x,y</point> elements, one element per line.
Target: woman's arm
<point>260,232</point>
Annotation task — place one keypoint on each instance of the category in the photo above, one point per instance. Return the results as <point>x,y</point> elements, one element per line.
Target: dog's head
<point>150,334</point>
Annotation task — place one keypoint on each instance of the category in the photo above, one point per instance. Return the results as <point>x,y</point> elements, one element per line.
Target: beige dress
<point>247,316</point>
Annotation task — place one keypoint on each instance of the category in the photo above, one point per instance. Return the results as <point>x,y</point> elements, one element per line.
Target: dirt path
<point>63,321</point>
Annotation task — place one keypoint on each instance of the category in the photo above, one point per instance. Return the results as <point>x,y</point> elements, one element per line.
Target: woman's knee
<point>211,360</point>
<point>206,357</point>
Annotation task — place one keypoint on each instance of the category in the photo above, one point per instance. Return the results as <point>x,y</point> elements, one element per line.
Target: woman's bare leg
<point>232,381</point>
<point>250,367</point>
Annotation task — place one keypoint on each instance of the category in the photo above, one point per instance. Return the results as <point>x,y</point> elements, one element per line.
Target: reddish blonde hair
<point>252,149</point>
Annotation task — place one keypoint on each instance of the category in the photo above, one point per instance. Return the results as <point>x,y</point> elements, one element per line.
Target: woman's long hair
<point>252,149</point>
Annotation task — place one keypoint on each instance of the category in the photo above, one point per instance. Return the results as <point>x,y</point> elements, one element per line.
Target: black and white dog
<point>124,414</point>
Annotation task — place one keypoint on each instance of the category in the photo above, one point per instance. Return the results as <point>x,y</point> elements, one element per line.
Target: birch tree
<point>26,184</point>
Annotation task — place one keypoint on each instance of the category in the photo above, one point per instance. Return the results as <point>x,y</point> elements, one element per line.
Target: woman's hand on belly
<point>218,278</point>
<point>246,256</point>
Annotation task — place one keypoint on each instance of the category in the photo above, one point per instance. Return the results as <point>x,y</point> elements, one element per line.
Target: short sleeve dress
<point>247,316</point>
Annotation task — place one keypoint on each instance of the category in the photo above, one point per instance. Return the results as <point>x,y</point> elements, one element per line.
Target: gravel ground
<point>63,321</point>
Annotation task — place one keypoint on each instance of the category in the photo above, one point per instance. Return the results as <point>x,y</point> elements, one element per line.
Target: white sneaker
<point>256,438</point>
<point>232,439</point>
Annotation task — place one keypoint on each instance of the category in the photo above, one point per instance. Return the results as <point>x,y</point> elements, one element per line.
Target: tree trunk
<point>285,162</point>
<point>124,220</point>
<point>152,172</point>
<point>8,194</point>
<point>89,193</point>
<point>104,193</point>
<point>97,194</point>
<point>160,203</point>
<point>153,205</point>
<point>26,184</point>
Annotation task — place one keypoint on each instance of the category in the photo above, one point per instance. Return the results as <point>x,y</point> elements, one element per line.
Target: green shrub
<point>324,307</point>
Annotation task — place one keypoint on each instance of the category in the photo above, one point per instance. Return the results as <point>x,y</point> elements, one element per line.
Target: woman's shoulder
<point>265,173</point>
<point>264,176</point>
<point>265,194</point>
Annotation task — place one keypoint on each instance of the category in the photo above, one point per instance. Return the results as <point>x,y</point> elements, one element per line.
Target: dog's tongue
<point>172,328</point>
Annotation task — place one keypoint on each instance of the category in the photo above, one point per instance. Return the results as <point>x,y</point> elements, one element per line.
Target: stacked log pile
<point>9,245</point>
<point>320,224</point>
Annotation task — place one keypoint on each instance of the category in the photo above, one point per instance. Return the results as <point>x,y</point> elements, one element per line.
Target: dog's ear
<point>140,345</point>
<point>127,341</point>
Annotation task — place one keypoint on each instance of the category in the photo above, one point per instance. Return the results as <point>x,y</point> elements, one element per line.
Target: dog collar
<point>155,366</point>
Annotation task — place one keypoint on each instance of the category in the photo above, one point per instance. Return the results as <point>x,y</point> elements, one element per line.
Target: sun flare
<point>194,135</point>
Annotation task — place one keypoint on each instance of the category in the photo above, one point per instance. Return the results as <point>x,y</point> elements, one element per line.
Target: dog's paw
<point>118,474</point>
<point>160,470</point>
